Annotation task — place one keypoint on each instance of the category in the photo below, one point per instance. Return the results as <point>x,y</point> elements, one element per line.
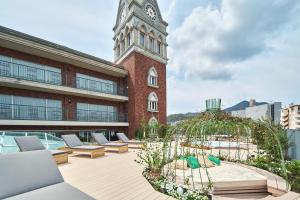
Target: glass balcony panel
<point>28,112</point>
<point>98,85</point>
<point>24,70</point>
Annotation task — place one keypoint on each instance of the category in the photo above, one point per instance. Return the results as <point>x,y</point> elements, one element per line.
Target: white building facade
<point>269,111</point>
<point>290,117</point>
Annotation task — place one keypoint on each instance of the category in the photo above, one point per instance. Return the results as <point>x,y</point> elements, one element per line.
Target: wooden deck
<point>112,177</point>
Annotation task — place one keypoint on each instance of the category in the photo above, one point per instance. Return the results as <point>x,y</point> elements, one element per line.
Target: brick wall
<point>138,66</point>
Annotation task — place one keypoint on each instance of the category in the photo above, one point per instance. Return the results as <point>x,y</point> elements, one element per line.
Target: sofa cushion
<point>29,143</point>
<point>27,171</point>
<point>57,152</point>
<point>88,147</point>
<point>60,191</point>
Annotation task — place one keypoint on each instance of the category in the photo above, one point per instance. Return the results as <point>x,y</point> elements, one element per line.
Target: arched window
<point>153,121</point>
<point>152,77</point>
<point>152,102</point>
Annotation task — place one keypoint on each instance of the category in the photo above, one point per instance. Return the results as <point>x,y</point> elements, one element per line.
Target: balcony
<point>100,86</point>
<point>24,72</point>
<point>100,116</point>
<point>26,115</point>
<point>27,112</point>
<point>42,80</point>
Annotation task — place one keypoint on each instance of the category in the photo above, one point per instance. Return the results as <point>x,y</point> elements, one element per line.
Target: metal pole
<point>46,138</point>
<point>1,141</point>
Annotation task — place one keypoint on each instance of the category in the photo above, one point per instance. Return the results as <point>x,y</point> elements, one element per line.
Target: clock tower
<point>140,46</point>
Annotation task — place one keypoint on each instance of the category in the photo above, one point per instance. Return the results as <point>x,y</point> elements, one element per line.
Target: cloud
<point>212,39</point>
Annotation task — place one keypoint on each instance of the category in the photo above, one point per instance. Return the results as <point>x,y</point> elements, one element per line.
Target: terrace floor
<point>112,177</point>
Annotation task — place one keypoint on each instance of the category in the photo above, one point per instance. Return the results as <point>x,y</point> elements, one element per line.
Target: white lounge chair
<point>101,140</point>
<point>74,144</point>
<point>33,143</point>
<point>33,175</point>
<point>132,143</point>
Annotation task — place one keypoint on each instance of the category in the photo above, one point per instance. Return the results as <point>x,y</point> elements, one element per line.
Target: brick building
<point>49,87</point>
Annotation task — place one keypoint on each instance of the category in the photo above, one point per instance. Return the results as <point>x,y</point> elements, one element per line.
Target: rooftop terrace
<point>112,177</point>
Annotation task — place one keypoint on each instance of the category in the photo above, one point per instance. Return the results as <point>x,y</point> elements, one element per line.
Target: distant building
<point>213,104</point>
<point>290,117</point>
<point>271,111</point>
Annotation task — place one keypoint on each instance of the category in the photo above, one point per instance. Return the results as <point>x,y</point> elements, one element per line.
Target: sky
<point>230,49</point>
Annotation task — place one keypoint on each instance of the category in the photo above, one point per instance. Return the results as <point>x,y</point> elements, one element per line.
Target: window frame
<point>142,38</point>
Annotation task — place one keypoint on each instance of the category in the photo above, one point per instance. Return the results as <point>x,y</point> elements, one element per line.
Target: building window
<point>27,108</point>
<point>151,40</point>
<point>21,69</point>
<point>152,77</point>
<point>128,39</point>
<point>123,45</point>
<point>153,121</point>
<point>96,84</point>
<point>118,50</point>
<point>159,48</point>
<point>152,102</point>
<point>96,113</point>
<point>142,39</point>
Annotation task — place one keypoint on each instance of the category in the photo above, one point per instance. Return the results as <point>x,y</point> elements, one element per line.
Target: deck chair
<point>132,143</point>
<point>100,139</point>
<point>33,175</point>
<point>74,144</point>
<point>33,143</point>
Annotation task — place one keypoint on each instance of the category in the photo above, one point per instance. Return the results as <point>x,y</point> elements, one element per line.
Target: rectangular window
<point>123,45</point>
<point>128,39</point>
<point>5,106</point>
<point>21,69</point>
<point>96,113</point>
<point>142,39</point>
<point>27,108</point>
<point>95,84</point>
<point>118,51</point>
<point>151,40</point>
<point>159,48</point>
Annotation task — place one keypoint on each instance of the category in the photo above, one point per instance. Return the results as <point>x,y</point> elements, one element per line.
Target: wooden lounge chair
<point>101,140</point>
<point>33,143</point>
<point>33,175</point>
<point>132,143</point>
<point>74,144</point>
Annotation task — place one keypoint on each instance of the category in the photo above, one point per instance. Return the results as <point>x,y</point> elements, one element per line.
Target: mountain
<point>239,106</point>
<point>179,117</point>
<point>242,106</point>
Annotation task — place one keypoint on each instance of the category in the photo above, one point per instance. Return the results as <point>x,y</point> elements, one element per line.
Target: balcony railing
<point>100,86</point>
<point>24,72</point>
<point>28,112</point>
<point>100,116</point>
<point>20,71</point>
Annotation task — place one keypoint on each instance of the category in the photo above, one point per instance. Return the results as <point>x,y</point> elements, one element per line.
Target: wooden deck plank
<point>112,177</point>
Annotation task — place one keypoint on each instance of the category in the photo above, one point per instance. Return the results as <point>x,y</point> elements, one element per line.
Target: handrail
<point>103,116</point>
<point>21,71</point>
<point>99,86</point>
<point>29,112</point>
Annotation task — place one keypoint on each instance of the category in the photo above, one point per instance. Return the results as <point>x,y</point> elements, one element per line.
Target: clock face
<point>150,11</point>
